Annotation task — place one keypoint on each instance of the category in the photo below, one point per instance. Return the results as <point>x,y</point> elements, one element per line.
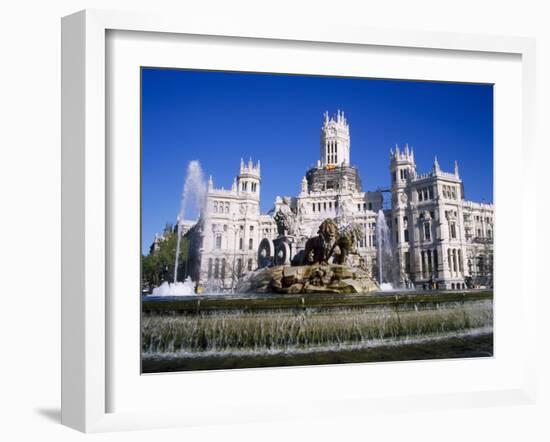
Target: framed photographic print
<point>250,275</point>
<point>241,200</point>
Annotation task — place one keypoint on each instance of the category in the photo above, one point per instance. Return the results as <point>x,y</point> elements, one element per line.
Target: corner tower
<point>335,140</point>
<point>402,167</point>
<point>248,180</point>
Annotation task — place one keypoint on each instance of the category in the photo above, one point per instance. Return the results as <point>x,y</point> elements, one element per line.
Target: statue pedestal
<point>330,278</point>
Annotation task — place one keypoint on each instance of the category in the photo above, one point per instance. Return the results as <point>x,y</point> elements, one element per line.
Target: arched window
<point>250,244</point>
<point>223,268</point>
<point>216,268</point>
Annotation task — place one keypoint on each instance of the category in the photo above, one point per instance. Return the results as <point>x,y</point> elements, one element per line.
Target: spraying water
<point>192,196</point>
<point>385,255</point>
<point>184,288</point>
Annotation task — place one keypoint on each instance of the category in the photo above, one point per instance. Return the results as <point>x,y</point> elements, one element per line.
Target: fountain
<point>178,288</point>
<point>193,197</point>
<point>385,254</point>
<point>194,191</point>
<point>323,266</point>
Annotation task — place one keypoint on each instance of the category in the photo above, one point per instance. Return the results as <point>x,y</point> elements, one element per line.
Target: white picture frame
<point>85,202</point>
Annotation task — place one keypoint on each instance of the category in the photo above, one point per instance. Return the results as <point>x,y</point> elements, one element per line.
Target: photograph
<point>300,220</point>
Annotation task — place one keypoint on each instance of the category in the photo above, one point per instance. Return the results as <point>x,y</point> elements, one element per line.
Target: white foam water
<point>185,288</point>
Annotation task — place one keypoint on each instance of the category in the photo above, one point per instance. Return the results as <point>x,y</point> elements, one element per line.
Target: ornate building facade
<point>439,240</point>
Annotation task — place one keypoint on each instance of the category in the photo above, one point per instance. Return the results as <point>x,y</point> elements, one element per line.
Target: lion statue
<point>319,248</point>
<point>346,241</point>
<point>285,218</point>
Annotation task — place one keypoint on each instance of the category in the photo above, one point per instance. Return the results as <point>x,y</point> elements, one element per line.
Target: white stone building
<point>233,227</point>
<point>438,238</point>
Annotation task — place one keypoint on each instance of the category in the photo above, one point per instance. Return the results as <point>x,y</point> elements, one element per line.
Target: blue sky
<point>219,117</point>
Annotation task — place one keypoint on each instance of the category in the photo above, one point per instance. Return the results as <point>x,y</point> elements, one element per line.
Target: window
<point>313,205</point>
<point>210,268</point>
<point>240,243</point>
<point>215,207</point>
<point>223,268</point>
<point>245,186</point>
<point>427,233</point>
<point>250,265</point>
<point>251,229</point>
<point>250,244</point>
<point>239,267</point>
<point>216,268</point>
<point>406,234</point>
<point>453,230</point>
<point>218,241</point>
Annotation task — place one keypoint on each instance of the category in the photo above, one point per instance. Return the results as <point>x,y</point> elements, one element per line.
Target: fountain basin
<point>271,330</point>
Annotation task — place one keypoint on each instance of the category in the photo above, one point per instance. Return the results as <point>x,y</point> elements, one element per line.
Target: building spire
<point>456,168</point>
<point>436,165</point>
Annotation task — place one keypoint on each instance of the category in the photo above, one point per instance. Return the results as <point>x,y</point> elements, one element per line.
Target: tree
<point>158,265</point>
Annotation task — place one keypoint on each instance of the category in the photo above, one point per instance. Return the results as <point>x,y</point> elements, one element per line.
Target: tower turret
<point>402,166</point>
<point>335,140</point>
<point>248,180</point>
